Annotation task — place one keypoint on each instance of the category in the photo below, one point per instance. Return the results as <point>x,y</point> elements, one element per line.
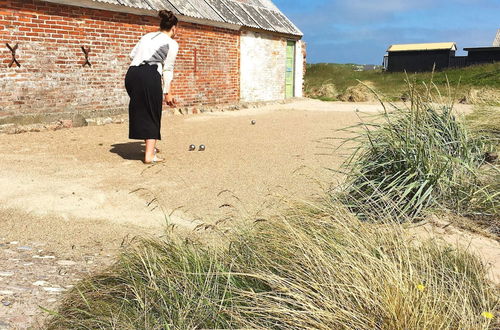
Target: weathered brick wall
<point>207,69</point>
<point>51,78</point>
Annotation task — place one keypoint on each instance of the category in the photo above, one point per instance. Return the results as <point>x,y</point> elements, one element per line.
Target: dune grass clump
<point>154,285</point>
<point>486,120</point>
<point>416,157</point>
<point>318,267</point>
<point>326,92</point>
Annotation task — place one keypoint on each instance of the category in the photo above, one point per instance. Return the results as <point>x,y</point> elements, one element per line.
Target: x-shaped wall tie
<point>86,52</point>
<point>13,51</point>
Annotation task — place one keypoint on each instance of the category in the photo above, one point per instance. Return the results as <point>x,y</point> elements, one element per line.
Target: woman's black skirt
<point>143,84</point>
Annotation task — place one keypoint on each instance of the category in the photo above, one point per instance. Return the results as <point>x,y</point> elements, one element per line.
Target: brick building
<point>231,51</point>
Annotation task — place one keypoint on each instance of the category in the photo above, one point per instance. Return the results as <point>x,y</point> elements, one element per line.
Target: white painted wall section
<point>263,62</point>
<point>299,69</point>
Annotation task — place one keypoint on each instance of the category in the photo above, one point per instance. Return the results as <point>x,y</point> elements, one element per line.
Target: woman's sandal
<point>155,160</point>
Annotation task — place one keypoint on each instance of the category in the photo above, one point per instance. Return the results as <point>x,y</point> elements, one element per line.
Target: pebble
<point>43,257</point>
<point>6,303</point>
<point>40,283</point>
<point>54,290</point>
<point>25,248</point>
<point>6,292</point>
<point>66,263</point>
<point>28,264</point>
<point>14,243</point>
<point>6,274</point>
<point>51,300</point>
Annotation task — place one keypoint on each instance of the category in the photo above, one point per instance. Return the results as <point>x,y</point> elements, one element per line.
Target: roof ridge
<point>423,46</point>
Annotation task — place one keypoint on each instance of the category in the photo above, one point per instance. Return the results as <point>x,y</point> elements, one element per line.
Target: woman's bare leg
<point>150,151</point>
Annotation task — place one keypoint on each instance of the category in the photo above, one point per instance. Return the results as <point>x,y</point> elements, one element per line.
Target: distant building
<point>365,67</point>
<point>420,57</point>
<point>438,56</point>
<point>496,42</point>
<point>483,55</point>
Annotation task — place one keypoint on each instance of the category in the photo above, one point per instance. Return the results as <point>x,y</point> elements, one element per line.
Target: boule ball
<point>192,147</point>
<point>202,147</point>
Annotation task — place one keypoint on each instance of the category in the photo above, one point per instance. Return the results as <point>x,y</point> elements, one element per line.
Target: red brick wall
<point>52,79</point>
<point>214,78</point>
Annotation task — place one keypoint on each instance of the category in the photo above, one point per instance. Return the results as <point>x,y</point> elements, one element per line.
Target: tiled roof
<point>260,14</point>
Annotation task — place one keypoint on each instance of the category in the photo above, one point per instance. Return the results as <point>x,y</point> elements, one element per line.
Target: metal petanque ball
<point>254,122</point>
<point>202,147</point>
<point>192,147</point>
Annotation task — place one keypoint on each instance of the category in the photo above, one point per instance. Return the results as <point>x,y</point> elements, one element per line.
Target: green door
<point>290,69</point>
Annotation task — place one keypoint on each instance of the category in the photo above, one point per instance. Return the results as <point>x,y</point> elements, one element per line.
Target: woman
<point>153,57</point>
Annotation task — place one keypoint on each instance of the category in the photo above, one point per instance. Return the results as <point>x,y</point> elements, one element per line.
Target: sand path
<point>76,195</point>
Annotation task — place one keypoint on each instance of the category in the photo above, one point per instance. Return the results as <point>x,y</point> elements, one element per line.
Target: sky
<point>360,31</point>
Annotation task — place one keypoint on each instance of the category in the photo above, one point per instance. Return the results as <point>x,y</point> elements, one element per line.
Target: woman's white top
<point>157,48</point>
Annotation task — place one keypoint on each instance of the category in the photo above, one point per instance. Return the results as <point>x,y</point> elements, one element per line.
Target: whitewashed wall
<point>263,65</point>
<point>263,61</point>
<point>299,69</point>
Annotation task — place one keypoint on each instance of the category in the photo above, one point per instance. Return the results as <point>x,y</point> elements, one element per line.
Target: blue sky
<point>359,31</point>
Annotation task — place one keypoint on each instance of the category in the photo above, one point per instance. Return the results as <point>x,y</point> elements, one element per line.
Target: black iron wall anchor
<point>13,51</point>
<point>86,52</point>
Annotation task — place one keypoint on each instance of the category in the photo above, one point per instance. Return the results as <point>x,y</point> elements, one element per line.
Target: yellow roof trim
<point>429,46</point>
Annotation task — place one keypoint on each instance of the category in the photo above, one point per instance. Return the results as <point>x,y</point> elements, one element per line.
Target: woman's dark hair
<point>168,20</point>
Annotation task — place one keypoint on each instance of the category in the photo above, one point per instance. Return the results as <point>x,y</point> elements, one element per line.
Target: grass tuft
<point>418,157</point>
<point>317,266</point>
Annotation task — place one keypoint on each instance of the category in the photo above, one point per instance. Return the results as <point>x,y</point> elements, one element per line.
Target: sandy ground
<point>71,198</point>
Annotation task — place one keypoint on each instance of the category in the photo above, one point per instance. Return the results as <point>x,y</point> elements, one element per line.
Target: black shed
<point>481,55</point>
<point>420,57</point>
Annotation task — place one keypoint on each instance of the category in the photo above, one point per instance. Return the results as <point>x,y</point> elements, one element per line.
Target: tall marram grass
<point>415,157</point>
<point>317,266</point>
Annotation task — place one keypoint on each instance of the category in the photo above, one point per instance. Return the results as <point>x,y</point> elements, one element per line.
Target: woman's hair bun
<point>165,14</point>
<point>168,19</point>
